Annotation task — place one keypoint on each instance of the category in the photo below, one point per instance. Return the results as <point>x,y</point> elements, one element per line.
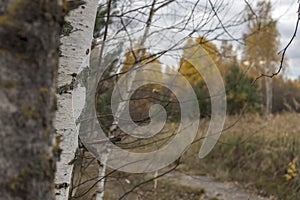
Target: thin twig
<point>149,180</point>
<point>221,23</point>
<point>253,13</point>
<point>283,51</point>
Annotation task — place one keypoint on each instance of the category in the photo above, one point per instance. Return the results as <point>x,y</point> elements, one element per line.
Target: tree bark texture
<point>75,53</point>
<point>29,41</point>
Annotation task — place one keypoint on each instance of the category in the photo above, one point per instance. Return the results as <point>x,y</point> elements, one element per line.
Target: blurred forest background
<point>260,146</point>
<point>65,131</point>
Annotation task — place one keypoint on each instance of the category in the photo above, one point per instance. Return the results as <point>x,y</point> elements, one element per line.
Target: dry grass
<point>255,152</point>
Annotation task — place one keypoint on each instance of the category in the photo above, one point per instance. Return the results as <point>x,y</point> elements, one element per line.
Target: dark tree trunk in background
<point>29,40</point>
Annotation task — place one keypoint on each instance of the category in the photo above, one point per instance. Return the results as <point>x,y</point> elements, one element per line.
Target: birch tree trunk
<point>269,90</point>
<point>75,50</point>
<point>121,106</point>
<point>29,39</point>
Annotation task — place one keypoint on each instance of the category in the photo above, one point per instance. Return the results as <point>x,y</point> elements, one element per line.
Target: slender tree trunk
<point>260,87</point>
<point>269,93</point>
<point>121,106</point>
<point>29,39</point>
<point>75,50</point>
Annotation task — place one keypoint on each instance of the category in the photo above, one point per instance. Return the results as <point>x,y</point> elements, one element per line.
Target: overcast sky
<point>285,11</point>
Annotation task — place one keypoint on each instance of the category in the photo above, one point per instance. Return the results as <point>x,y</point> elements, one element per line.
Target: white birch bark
<point>122,105</point>
<point>269,95</point>
<point>269,91</point>
<point>101,184</point>
<point>75,49</point>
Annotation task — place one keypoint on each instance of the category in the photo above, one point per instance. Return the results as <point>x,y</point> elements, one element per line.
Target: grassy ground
<point>257,152</point>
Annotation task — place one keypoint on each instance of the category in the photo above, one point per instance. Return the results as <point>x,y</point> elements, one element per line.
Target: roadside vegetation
<point>259,148</point>
<point>259,153</point>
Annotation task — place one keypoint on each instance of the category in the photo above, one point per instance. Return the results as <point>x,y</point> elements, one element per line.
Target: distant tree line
<point>245,91</point>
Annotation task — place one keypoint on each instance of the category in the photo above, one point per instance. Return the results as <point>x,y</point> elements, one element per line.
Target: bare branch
<point>283,51</point>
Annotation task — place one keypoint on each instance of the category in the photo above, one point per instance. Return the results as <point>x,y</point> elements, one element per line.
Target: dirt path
<point>213,189</point>
<point>116,186</point>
